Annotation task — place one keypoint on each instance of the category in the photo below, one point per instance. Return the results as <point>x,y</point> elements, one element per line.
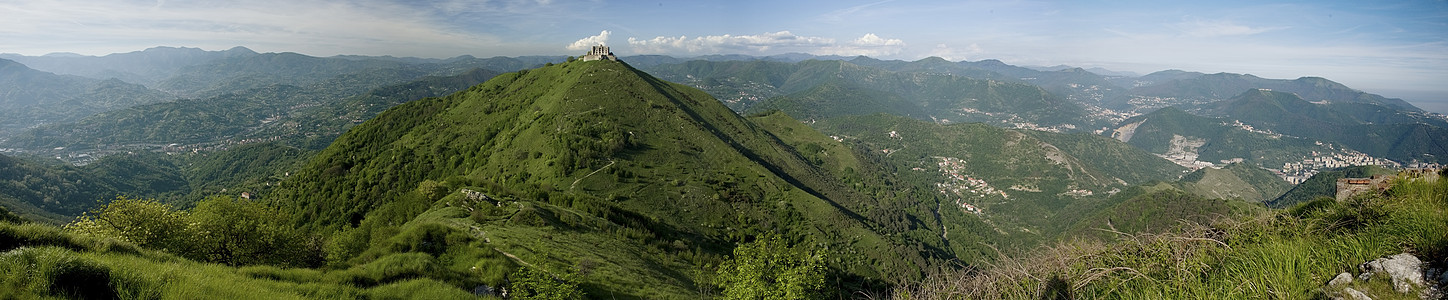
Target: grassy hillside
<point>1153,208</point>
<point>646,182</point>
<point>42,261</point>
<point>1235,181</point>
<point>1016,182</point>
<point>1280,254</point>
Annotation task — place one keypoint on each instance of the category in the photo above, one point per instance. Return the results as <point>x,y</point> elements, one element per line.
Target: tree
<point>220,229</point>
<point>769,268</point>
<point>144,222</point>
<point>237,231</point>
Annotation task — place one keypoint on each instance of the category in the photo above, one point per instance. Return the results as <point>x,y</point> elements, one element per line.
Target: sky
<point>1394,48</point>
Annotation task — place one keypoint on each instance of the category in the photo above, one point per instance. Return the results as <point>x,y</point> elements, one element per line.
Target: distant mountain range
<point>269,86</point>
<point>641,178</point>
<point>34,97</point>
<point>1186,88</point>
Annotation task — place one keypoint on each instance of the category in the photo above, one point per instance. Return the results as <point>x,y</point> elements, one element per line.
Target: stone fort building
<point>599,52</point>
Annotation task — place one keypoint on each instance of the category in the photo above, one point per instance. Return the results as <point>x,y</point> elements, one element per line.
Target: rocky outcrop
<point>1407,274</point>
<point>1405,270</point>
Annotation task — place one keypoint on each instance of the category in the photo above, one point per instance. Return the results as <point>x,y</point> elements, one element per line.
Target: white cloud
<point>752,44</point>
<point>870,39</point>
<point>589,42</point>
<point>868,45</point>
<point>766,43</point>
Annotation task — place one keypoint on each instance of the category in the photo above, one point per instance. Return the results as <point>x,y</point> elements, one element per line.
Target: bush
<point>432,190</point>
<point>220,229</point>
<point>529,283</point>
<point>244,232</point>
<point>344,245</point>
<point>769,268</point>
<point>145,222</point>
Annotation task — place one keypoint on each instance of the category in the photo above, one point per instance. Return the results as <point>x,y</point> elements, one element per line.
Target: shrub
<point>244,232</point>
<point>344,245</point>
<point>145,222</point>
<point>223,229</point>
<point>769,268</point>
<point>529,283</point>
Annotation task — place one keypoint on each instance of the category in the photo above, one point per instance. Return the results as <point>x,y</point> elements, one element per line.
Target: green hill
<point>140,67</point>
<point>57,193</point>
<point>1207,88</point>
<point>307,116</point>
<point>1235,181</point>
<point>1286,113</point>
<point>1151,208</point>
<point>1019,181</point>
<point>834,99</point>
<point>645,181</point>
<point>34,97</point>
<point>1073,84</point>
<point>1200,196</point>
<point>1173,131</point>
<point>840,87</point>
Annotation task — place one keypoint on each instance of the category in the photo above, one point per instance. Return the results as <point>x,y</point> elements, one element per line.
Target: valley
<point>463,176</point>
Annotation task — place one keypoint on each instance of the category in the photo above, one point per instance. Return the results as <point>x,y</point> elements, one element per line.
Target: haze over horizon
<point>1398,49</point>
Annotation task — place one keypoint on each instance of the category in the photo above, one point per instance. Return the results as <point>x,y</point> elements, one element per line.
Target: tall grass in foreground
<point>1287,254</point>
<point>39,261</point>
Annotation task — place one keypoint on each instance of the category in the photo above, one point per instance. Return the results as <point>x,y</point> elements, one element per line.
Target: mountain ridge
<point>600,140</point>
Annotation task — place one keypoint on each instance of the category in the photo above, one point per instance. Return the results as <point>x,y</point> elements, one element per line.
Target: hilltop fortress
<point>599,52</point>
<point>1348,187</point>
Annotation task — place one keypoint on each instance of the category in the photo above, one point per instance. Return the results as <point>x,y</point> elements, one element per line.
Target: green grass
<point>1288,254</point>
<point>44,262</point>
<point>597,163</point>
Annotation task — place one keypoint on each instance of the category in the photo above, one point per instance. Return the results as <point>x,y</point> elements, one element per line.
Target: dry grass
<point>1070,268</point>
<point>1287,254</point>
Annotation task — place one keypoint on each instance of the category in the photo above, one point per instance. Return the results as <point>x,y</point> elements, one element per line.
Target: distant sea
<point>1434,101</point>
<point>1437,106</point>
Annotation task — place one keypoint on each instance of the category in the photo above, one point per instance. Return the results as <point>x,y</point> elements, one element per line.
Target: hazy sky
<point>1395,48</point>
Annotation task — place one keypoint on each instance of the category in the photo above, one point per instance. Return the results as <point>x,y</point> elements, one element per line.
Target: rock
<point>1341,279</point>
<point>1355,294</point>
<point>483,290</point>
<point>1405,270</point>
